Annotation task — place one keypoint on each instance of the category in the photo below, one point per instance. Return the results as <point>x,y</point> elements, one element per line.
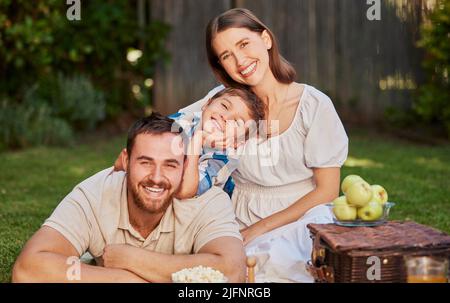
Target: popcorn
<point>198,274</point>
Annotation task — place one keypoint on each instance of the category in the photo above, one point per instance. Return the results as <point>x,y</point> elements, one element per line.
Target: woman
<point>282,187</point>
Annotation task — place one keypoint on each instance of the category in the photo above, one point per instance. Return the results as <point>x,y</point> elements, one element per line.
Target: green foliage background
<point>47,62</point>
<point>433,103</point>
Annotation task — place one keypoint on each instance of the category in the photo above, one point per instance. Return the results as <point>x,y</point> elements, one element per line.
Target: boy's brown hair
<point>257,108</point>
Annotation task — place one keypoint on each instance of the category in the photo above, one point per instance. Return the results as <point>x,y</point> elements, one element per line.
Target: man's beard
<point>139,201</point>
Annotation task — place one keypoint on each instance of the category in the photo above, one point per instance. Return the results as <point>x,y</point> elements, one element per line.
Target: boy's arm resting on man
<point>190,182</point>
<point>45,258</point>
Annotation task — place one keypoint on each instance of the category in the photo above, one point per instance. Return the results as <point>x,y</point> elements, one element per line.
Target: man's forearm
<point>52,267</point>
<point>158,267</point>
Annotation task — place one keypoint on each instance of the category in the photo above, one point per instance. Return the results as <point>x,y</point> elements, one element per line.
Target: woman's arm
<point>118,164</point>
<point>327,189</point>
<point>198,105</point>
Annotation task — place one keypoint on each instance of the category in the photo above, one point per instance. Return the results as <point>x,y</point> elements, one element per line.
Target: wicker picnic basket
<point>340,254</point>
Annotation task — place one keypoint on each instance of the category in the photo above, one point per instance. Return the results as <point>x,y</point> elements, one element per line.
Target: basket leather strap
<point>316,267</point>
<point>321,274</point>
<point>318,252</point>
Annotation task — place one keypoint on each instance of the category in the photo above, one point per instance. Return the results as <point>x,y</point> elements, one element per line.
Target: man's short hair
<point>155,124</point>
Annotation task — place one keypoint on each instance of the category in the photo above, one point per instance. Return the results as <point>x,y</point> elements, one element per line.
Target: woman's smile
<point>248,70</point>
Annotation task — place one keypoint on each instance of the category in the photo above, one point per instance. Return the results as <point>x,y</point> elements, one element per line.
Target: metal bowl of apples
<point>361,205</point>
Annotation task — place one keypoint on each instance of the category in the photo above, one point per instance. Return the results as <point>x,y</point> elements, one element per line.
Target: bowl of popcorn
<point>199,274</point>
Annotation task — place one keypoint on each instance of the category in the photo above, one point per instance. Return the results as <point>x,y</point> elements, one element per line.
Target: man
<point>132,224</point>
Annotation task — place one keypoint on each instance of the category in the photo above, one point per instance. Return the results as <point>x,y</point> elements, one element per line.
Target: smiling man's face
<point>155,170</point>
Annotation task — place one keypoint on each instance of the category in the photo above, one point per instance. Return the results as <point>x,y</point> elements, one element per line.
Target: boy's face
<point>225,109</point>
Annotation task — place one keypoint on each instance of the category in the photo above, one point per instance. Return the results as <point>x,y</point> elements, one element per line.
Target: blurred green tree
<point>42,54</point>
<point>433,103</point>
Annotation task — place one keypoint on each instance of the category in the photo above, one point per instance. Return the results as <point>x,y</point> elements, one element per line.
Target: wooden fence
<point>364,66</point>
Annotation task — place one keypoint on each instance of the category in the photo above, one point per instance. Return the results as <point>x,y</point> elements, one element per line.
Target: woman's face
<point>243,54</point>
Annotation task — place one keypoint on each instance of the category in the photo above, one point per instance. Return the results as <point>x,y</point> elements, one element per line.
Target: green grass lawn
<point>32,182</point>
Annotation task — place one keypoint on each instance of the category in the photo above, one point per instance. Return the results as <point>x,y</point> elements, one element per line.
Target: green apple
<point>371,212</point>
<point>344,212</point>
<point>379,194</point>
<point>349,180</point>
<point>342,200</point>
<point>359,194</point>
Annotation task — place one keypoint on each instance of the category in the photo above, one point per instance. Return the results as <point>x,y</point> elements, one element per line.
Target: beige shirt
<point>95,214</point>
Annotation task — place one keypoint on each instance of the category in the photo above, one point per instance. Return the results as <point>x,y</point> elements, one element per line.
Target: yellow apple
<point>342,200</point>
<point>379,194</point>
<point>371,212</point>
<point>349,180</point>
<point>344,212</point>
<point>359,194</point>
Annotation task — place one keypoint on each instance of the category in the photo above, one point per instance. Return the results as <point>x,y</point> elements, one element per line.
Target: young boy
<point>209,164</point>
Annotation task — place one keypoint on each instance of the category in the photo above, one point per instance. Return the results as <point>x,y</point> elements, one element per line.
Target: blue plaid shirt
<point>215,166</point>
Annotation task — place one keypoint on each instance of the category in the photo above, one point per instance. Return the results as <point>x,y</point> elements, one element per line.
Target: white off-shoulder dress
<point>278,172</point>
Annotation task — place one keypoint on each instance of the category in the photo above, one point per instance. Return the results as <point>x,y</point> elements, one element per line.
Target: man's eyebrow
<point>145,158</point>
<point>174,161</point>
<point>237,43</point>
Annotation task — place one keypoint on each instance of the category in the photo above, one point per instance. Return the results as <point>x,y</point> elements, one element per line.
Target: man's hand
<point>116,256</point>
